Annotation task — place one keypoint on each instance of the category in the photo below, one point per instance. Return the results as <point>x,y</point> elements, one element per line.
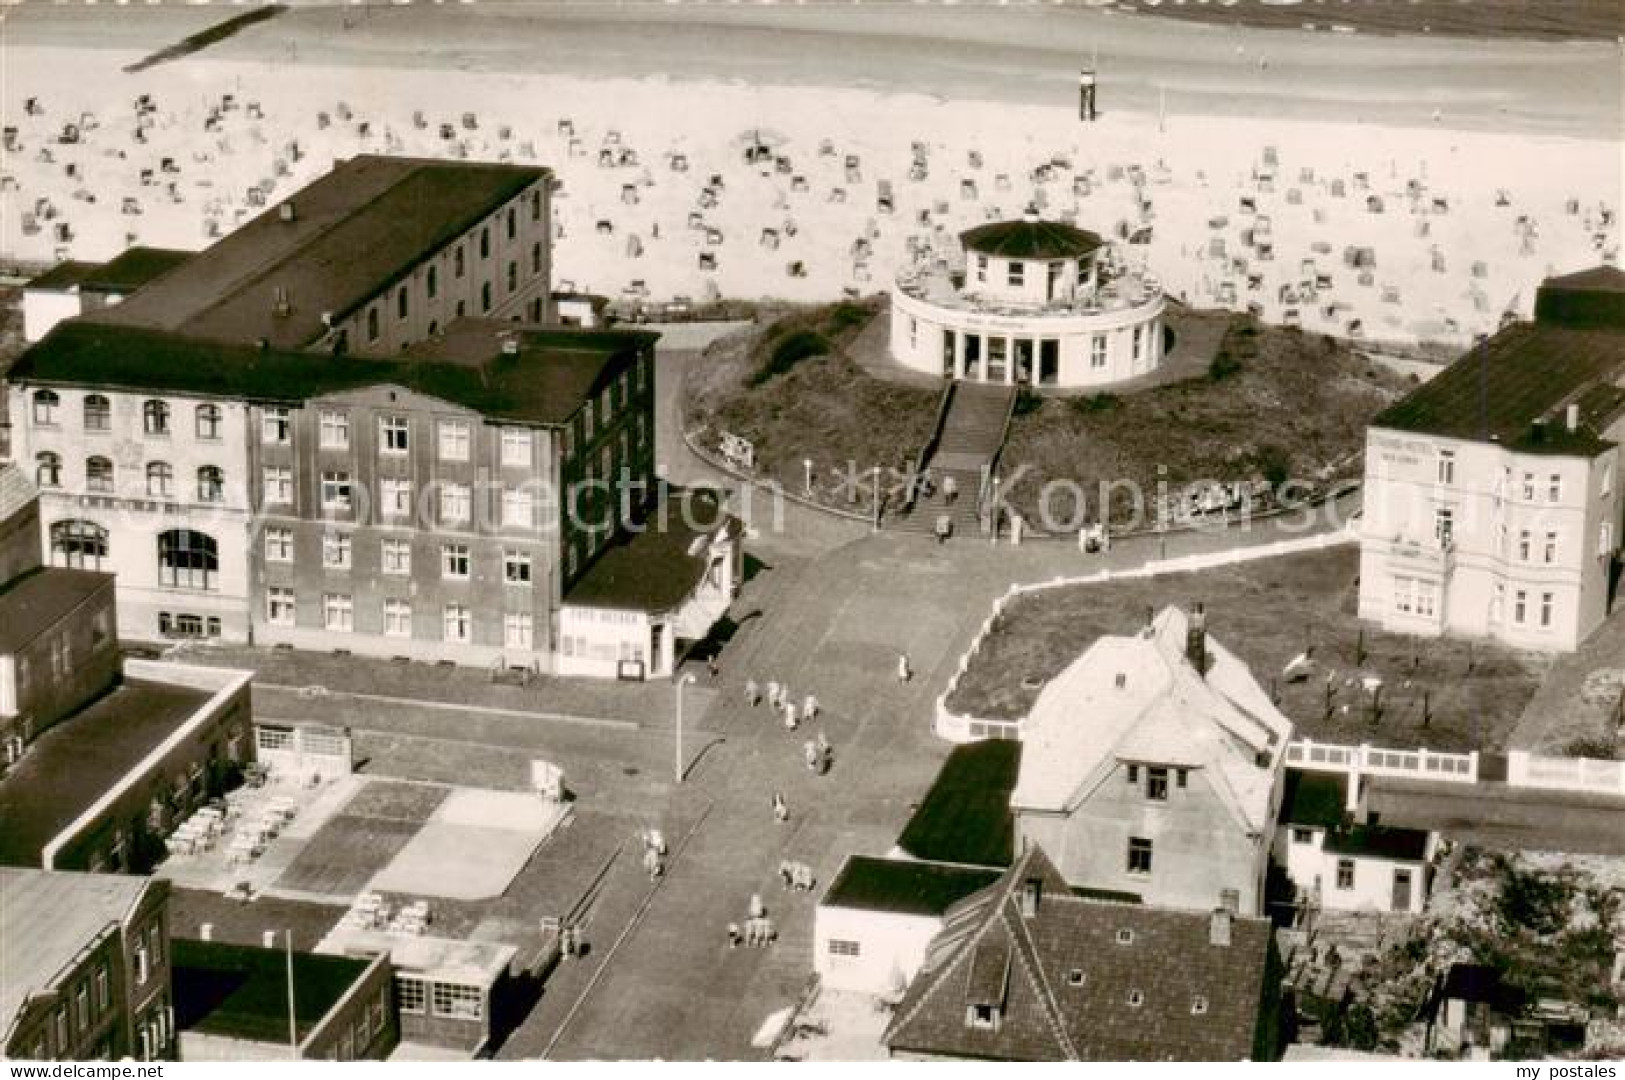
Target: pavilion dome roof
<point>1030,237</point>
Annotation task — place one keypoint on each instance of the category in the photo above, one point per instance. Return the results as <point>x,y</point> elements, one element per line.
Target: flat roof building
<point>72,288</point>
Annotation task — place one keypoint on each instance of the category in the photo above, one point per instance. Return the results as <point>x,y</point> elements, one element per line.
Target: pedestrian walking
<point>751,929</point>
<point>904,673</point>
<point>773,694</point>
<point>944,528</point>
<point>787,872</point>
<point>950,489</point>
<point>711,667</point>
<point>733,935</point>
<point>757,908</point>
<point>810,752</point>
<point>790,719</point>
<point>809,708</point>
<point>753,693</point>
<point>781,809</point>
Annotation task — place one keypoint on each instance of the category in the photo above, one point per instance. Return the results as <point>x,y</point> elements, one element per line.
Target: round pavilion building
<point>1038,302</point>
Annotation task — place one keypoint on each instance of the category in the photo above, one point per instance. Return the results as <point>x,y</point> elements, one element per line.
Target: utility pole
<point>293,1015</point>
<point>677,768</point>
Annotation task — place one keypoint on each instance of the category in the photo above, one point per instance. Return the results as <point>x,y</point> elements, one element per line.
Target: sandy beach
<point>1406,190</point>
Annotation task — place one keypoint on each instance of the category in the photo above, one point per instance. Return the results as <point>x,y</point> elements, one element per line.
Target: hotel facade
<point>1492,506</point>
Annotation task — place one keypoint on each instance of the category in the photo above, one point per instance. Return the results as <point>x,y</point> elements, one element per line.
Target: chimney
<point>1196,640</point>
<point>510,344</point>
<point>285,211</point>
<point>268,938</point>
<point>1032,890</point>
<point>1218,931</point>
<point>1030,215</point>
<point>1571,418</point>
<point>206,931</point>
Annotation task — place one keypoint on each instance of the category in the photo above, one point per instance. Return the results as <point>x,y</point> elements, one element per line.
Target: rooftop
<point>241,991</point>
<point>1314,799</point>
<point>76,762</point>
<point>32,604</point>
<point>965,817</point>
<point>1379,842</point>
<point>349,236</point>
<point>1080,979</point>
<point>657,569</point>
<point>16,490</point>
<point>944,288</point>
<point>544,382</point>
<point>47,918</point>
<point>477,963</point>
<point>1030,238</point>
<point>237,922</point>
<point>1573,353</point>
<point>132,269</point>
<point>903,886</point>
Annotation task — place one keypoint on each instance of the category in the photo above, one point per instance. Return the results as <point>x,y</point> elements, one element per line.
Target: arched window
<point>98,413</point>
<point>47,470</point>
<point>46,404</point>
<point>187,559</point>
<point>155,417</point>
<point>211,484</point>
<point>208,421</point>
<point>98,474</point>
<point>160,479</point>
<point>372,324</point>
<point>78,544</point>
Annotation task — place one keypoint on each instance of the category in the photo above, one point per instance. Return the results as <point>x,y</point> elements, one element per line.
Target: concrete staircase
<point>966,447</point>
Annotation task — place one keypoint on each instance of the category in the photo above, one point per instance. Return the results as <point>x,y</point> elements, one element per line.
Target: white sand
<point>1210,164</point>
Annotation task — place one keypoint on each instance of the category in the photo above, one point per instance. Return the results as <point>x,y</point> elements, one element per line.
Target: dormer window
<point>985,1017</point>
<point>1075,977</point>
<point>1125,937</point>
<point>1198,1005</point>
<point>1135,999</point>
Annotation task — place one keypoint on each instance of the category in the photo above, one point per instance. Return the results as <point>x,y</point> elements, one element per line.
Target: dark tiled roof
<point>37,601</point>
<point>354,232</point>
<point>1379,841</point>
<point>75,763</point>
<point>132,269</point>
<point>1025,239</point>
<point>1314,798</point>
<point>903,886</point>
<point>1075,991</point>
<point>655,570</point>
<point>544,383</point>
<point>965,817</point>
<point>63,275</point>
<point>241,991</point>
<point>1574,352</point>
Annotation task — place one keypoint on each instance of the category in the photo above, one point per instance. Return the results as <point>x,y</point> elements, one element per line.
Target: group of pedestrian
<point>757,932</point>
<point>797,876</point>
<point>818,754</point>
<point>654,853</point>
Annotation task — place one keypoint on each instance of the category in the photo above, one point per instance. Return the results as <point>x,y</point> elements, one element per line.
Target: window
<point>517,508</point>
<point>983,1016</point>
<point>454,440</point>
<point>1097,351</point>
<point>1523,545</point>
<point>1198,1005</point>
<point>485,243</point>
<point>1550,550</point>
<point>99,474</point>
<point>396,496</point>
<point>1607,478</point>
<point>276,424</point>
<point>457,623</point>
<point>99,413</point>
<point>1345,874</point>
<point>280,607</point>
<point>1075,977</point>
<point>211,484</point>
<point>981,268</point>
<point>1139,856</point>
<point>431,282</point>
<point>278,485</point>
<point>485,298</point>
<point>81,1004</point>
<point>1125,936</point>
<point>155,418</point>
<point>397,618</point>
<point>843,947</point>
<point>46,406</point>
<point>409,989</point>
<point>454,561</point>
<point>336,549</point>
<point>338,612</point>
<point>1139,343</point>
<point>1447,466</point>
<point>1303,836</point>
<point>335,431</point>
<point>1444,525</point>
<point>208,421</point>
<point>516,567</point>
<point>1135,999</point>
<point>1134,774</point>
<point>397,557</point>
<point>336,490</point>
<point>81,545</point>
<point>517,629</point>
<point>513,275</point>
<point>372,324</point>
<point>1017,273</point>
<point>455,503</point>
<point>400,302</point>
<point>393,433</point>
<point>1554,488</point>
<point>535,205</point>
<point>1520,607</point>
<point>1529,487</point>
<point>1182,777</point>
<point>1156,783</point>
<point>278,544</point>
<point>513,222</point>
<point>536,259</point>
<point>160,480</point>
<point>454,1000</point>
<point>103,992</point>
<point>187,559</point>
<point>1546,601</point>
<point>48,469</point>
<point>516,448</point>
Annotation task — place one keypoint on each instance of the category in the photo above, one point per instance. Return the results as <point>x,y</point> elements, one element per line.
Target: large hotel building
<point>346,425</point>
<point>1492,493</point>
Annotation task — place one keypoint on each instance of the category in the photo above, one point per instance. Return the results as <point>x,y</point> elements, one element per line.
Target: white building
<point>74,288</point>
<point>1153,766</point>
<point>878,916</point>
<point>1036,302</point>
<point>1338,865</point>
<point>1492,505</point>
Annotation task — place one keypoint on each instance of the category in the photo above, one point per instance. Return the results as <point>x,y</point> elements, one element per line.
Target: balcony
<point>943,288</point>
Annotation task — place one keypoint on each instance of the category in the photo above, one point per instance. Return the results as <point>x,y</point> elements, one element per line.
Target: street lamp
<point>806,482</point>
<point>678,762</point>
<point>876,523</point>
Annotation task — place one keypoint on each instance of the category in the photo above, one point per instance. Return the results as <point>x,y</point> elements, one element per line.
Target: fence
<point>1418,764</point>
<point>1565,774</point>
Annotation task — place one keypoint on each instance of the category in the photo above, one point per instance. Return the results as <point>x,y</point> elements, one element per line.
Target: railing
<point>1418,764</point>
<point>1565,774</point>
<point>930,447</point>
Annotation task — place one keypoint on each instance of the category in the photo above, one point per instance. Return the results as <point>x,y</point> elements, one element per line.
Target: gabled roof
<point>1083,980</point>
<point>351,234</point>
<point>1163,712</point>
<point>1030,238</point>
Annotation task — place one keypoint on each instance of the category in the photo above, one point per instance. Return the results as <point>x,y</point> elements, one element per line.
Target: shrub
<point>845,316</point>
<point>1097,403</point>
<point>1598,746</point>
<point>1028,401</point>
<point>1223,365</point>
<point>1273,464</point>
<point>787,352</point>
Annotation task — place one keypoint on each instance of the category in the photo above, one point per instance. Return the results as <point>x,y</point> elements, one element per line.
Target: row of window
<point>98,415</point>
<point>1156,779</point>
<point>101,478</point>
<point>338,616</point>
<point>453,443</point>
<point>1016,271</point>
<point>456,501</point>
<point>417,996</point>
<point>395,556</point>
<point>1445,463</point>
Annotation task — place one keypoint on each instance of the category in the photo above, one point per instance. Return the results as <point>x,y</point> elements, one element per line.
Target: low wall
<point>1364,760</point>
<point>955,727</point>
<point>1528,770</point>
